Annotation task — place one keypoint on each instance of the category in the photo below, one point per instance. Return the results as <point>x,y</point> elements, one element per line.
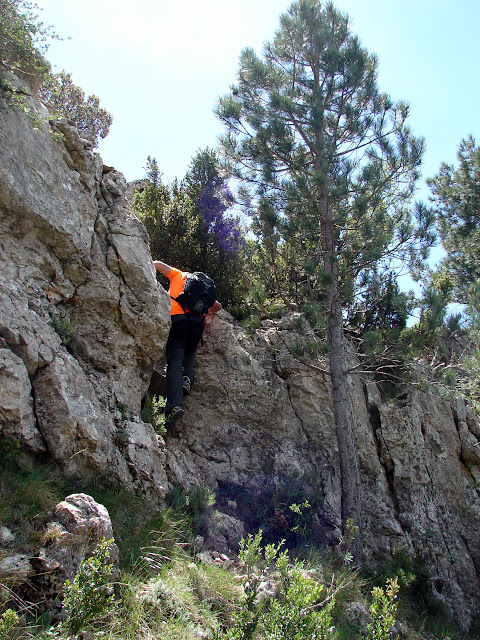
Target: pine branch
<point>307,364</point>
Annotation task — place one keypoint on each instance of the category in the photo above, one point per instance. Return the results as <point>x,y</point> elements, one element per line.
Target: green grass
<point>165,593</point>
<point>26,502</point>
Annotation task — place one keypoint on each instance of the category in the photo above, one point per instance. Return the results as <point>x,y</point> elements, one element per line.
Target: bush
<point>67,100</point>
<point>190,226</point>
<point>90,594</point>
<point>8,620</point>
<point>383,610</point>
<point>302,609</point>
<point>67,334</point>
<point>299,610</point>
<point>284,508</point>
<point>24,41</point>
<point>23,38</point>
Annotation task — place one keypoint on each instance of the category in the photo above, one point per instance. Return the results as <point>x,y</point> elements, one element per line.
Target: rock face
<point>82,319</point>
<point>256,417</point>
<point>82,324</point>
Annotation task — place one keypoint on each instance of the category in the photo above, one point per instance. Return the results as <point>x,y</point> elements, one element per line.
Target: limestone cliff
<point>83,325</point>
<point>257,415</point>
<point>82,319</point>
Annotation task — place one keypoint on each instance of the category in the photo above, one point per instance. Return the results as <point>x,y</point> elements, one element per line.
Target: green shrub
<point>246,620</point>
<point>8,620</point>
<point>68,336</point>
<point>90,594</point>
<point>67,100</point>
<point>383,610</point>
<point>301,609</point>
<point>343,555</point>
<point>23,43</point>
<point>191,226</point>
<point>284,508</point>
<point>153,411</point>
<point>23,38</point>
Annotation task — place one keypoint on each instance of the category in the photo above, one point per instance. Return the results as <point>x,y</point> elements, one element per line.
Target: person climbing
<point>185,333</point>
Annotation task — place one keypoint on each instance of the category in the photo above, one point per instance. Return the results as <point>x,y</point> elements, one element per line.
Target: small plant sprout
<point>383,610</point>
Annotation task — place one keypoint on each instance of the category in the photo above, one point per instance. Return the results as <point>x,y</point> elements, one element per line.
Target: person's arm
<point>216,306</point>
<point>162,267</point>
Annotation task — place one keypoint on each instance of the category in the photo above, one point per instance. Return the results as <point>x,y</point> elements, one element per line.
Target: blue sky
<point>159,67</point>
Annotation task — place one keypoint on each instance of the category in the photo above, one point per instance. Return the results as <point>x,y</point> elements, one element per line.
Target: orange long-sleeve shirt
<point>177,282</point>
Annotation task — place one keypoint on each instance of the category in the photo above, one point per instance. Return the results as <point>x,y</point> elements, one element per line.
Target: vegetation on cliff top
<point>24,41</point>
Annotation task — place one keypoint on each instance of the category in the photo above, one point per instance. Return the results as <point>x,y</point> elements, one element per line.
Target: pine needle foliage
<point>456,196</point>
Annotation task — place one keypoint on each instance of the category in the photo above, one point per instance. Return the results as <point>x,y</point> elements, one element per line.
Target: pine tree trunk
<point>344,424</point>
<point>342,405</point>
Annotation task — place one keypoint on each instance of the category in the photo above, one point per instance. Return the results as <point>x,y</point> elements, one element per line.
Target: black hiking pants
<point>185,334</point>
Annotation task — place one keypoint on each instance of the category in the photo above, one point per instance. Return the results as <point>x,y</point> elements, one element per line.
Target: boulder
<point>79,524</point>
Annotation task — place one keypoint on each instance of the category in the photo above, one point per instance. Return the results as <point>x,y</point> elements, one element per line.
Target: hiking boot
<point>186,385</point>
<point>173,415</point>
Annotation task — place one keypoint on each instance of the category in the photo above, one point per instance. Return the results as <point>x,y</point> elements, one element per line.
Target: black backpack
<point>198,294</point>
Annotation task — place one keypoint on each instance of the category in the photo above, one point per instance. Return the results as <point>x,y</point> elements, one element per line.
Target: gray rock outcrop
<point>257,416</point>
<point>82,319</point>
<point>78,526</point>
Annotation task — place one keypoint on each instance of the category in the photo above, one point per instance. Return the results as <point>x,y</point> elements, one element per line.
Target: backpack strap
<point>188,312</point>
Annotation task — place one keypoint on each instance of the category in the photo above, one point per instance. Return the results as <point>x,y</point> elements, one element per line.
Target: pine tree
<point>331,166</point>
<point>456,195</point>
